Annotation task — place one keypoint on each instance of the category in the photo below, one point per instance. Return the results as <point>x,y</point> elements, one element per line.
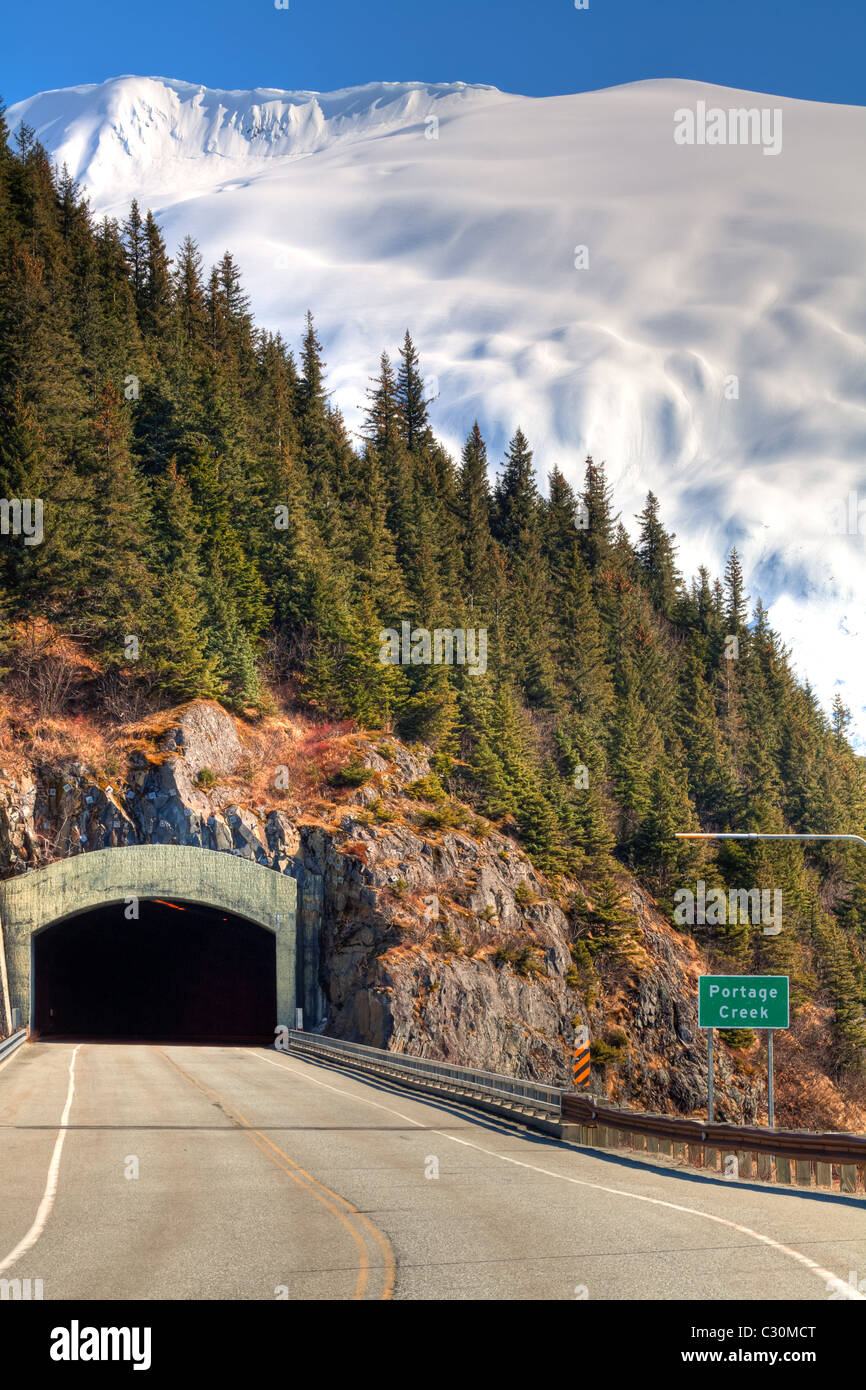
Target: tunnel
<point>180,971</point>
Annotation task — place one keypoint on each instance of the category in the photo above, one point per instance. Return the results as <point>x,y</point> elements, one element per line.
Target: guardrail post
<point>823,1174</point>
<point>849,1177</point>
<point>804,1172</point>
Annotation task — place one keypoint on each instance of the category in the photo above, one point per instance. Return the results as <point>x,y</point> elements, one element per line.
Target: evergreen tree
<point>736,609</point>
<point>189,296</point>
<point>598,521</point>
<point>412,406</point>
<point>136,253</point>
<point>656,559</point>
<point>155,305</point>
<point>518,506</point>
<point>175,622</point>
<point>115,577</point>
<point>476,541</point>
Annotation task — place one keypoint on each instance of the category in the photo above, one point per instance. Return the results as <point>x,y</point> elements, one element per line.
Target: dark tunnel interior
<point>180,972</point>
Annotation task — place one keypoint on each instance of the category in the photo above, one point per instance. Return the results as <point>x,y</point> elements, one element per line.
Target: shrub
<point>354,774</point>
<point>446,817</point>
<point>427,789</point>
<point>522,959</point>
<point>442,764</point>
<point>448,939</point>
<point>610,924</point>
<point>581,955</point>
<point>205,778</point>
<point>524,895</point>
<point>610,1049</point>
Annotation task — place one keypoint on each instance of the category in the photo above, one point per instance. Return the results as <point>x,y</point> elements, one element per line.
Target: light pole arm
<point>757,835</point>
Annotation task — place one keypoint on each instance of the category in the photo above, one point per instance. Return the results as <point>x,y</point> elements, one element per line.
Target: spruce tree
<point>476,540</point>
<point>598,534</point>
<point>174,625</point>
<point>411,401</point>
<point>656,559</point>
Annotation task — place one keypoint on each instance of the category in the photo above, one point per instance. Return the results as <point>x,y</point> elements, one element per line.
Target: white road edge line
<point>839,1286</point>
<point>48,1196</point>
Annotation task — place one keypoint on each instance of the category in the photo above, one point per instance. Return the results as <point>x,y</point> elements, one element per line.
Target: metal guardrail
<point>487,1084</point>
<point>8,1045</point>
<point>788,1155</point>
<point>789,1143</point>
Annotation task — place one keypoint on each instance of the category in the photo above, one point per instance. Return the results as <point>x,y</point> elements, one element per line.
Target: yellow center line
<point>390,1266</point>
<point>308,1183</point>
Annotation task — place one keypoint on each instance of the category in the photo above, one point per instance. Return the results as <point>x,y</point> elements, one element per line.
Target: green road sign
<point>743,1001</point>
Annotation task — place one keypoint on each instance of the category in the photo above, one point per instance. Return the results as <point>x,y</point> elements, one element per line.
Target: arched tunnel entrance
<point>179,971</point>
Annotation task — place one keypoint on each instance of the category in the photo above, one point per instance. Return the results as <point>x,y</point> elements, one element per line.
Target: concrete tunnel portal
<point>210,976</point>
<point>151,941</point>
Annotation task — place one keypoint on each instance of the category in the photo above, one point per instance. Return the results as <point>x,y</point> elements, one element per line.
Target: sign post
<point>710,1075</point>
<point>743,1001</point>
<point>770,1078</point>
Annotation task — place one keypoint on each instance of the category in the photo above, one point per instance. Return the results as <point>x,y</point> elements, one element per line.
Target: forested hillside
<point>211,529</point>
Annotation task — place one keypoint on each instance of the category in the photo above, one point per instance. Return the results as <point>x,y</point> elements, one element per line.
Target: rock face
<point>424,970</point>
<point>437,942</point>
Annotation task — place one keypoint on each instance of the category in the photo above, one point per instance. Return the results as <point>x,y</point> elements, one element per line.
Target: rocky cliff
<point>437,936</point>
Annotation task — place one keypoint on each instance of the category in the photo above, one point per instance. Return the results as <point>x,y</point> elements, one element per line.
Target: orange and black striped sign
<point>581,1059</point>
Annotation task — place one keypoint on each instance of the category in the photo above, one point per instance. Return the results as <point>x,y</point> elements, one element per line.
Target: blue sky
<point>802,48</point>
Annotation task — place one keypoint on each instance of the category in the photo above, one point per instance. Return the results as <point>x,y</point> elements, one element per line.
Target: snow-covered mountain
<point>460,211</point>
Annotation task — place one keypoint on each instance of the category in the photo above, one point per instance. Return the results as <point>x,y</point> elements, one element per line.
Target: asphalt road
<point>180,1172</point>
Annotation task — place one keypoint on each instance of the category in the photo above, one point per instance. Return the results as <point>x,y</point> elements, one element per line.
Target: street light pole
<point>757,835</point>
